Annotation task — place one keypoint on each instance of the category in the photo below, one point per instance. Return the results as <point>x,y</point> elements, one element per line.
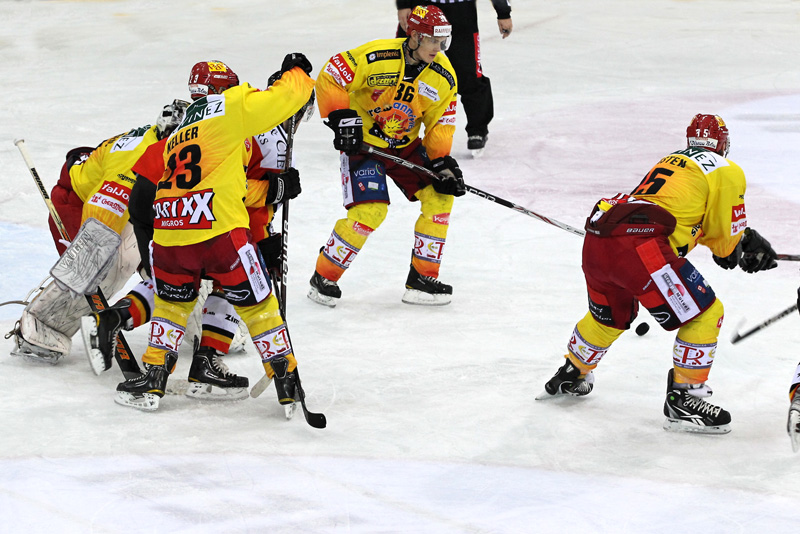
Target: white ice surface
<point>432,426</point>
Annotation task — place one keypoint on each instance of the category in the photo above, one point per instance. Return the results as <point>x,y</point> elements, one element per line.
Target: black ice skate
<point>567,381</point>
<point>687,413</point>
<point>324,291</point>
<point>793,424</point>
<point>426,290</point>
<point>476,144</point>
<point>144,391</point>
<point>99,331</point>
<point>285,385</point>
<point>210,379</point>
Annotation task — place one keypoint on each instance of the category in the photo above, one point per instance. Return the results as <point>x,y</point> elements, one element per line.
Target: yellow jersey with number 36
<point>705,193</point>
<point>202,192</point>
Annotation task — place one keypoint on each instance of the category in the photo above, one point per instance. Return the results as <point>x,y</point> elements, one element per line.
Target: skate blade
<point>200,391</point>
<point>51,358</point>
<point>794,430</point>
<point>420,298</point>
<point>97,361</point>
<point>478,152</point>
<point>146,402</point>
<point>319,298</point>
<point>289,410</point>
<point>678,425</point>
<point>544,395</point>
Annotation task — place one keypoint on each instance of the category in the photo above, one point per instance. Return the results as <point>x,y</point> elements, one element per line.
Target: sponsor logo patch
<point>738,219</point>
<point>190,212</point>
<point>382,55</point>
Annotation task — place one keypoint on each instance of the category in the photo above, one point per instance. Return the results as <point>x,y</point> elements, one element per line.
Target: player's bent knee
<point>705,327</point>
<point>370,214</point>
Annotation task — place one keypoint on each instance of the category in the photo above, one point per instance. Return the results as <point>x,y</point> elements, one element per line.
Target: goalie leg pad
<point>88,258</point>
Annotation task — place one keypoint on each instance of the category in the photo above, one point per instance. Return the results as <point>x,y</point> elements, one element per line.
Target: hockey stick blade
<point>260,386</point>
<point>316,420</point>
<point>788,311</point>
<point>788,257</point>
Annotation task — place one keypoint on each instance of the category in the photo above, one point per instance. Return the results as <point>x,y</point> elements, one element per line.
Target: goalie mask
<point>710,132</point>
<point>430,22</point>
<point>210,78</point>
<point>170,117</point>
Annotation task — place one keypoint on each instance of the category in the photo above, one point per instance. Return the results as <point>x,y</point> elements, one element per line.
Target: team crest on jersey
<point>112,197</point>
<point>188,212</point>
<point>395,122</point>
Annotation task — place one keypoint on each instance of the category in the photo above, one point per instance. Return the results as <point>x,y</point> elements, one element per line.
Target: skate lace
<point>220,366</point>
<point>700,406</point>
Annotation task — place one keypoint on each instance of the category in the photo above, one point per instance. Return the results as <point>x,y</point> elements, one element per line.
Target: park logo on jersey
<point>381,55</point>
<point>188,212</point>
<point>112,197</point>
<point>738,219</point>
<point>340,70</point>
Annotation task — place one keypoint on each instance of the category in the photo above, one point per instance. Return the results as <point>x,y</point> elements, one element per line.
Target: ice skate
<point>324,291</point>
<point>793,424</point>
<point>210,379</point>
<point>285,386</point>
<point>30,352</point>
<point>567,381</point>
<point>145,391</point>
<point>688,413</point>
<point>99,331</point>
<point>476,144</point>
<point>426,290</point>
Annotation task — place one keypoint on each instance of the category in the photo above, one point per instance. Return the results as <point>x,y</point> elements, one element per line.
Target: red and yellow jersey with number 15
<point>201,194</point>
<point>705,194</point>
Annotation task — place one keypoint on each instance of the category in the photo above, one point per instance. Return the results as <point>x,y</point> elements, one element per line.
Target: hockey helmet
<point>710,132</point>
<point>431,22</point>
<point>170,117</point>
<point>211,77</point>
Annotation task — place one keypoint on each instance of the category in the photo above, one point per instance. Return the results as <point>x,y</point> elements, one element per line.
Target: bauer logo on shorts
<point>112,197</point>
<point>189,212</point>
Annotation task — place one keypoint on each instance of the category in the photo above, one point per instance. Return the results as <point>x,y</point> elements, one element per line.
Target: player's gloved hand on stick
<point>296,59</point>
<point>757,253</point>
<point>271,249</point>
<point>347,130</point>
<point>451,179</point>
<point>730,261</point>
<point>283,186</point>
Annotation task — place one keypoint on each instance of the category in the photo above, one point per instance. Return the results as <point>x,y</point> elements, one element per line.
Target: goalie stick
<point>474,190</point>
<point>97,301</point>
<point>737,337</point>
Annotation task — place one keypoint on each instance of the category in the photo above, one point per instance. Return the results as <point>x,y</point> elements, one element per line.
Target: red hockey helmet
<point>430,21</point>
<point>211,77</point>
<point>708,131</point>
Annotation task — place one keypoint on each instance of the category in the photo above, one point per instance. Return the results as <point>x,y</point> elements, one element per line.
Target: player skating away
<point>634,253</point>
<point>382,93</point>
<point>91,197</point>
<point>201,227</point>
<point>209,376</point>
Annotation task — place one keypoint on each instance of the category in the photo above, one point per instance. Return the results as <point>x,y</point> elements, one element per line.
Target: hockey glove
<point>730,261</point>
<point>757,253</point>
<point>347,130</point>
<point>283,186</point>
<point>271,249</point>
<point>296,59</point>
<point>451,179</point>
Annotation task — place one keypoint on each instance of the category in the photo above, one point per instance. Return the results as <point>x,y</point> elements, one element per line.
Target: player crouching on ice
<point>634,252</point>
<point>91,199</point>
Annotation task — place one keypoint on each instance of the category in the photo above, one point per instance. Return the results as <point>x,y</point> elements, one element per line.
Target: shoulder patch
<point>381,55</point>
<point>444,73</point>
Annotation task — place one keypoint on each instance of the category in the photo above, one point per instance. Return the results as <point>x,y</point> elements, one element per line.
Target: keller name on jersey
<point>193,211</point>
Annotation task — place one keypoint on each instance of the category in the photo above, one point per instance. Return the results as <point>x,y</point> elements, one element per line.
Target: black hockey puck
<point>642,329</point>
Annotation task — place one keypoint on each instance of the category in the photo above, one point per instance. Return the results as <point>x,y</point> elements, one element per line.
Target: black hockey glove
<point>283,186</point>
<point>271,249</point>
<point>730,261</point>
<point>296,59</point>
<point>347,130</point>
<point>451,179</point>
<point>757,254</point>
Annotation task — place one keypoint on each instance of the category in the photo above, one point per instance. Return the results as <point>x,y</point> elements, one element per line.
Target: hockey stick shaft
<point>737,337</point>
<point>788,257</point>
<point>97,301</point>
<point>285,215</point>
<point>474,190</point>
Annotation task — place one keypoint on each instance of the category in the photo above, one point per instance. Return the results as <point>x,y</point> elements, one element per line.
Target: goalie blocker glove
<point>757,253</point>
<point>282,186</point>
<point>451,179</point>
<point>347,130</point>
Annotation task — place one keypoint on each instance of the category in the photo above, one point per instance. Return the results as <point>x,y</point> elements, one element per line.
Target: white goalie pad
<point>88,258</point>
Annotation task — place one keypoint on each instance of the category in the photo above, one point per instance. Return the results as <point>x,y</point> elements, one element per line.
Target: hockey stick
<point>285,216</point>
<point>788,257</point>
<point>737,337</point>
<point>97,301</point>
<point>474,190</point>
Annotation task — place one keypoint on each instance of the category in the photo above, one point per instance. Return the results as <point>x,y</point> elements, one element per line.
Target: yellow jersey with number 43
<point>369,79</point>
<point>201,194</point>
<point>705,194</point>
